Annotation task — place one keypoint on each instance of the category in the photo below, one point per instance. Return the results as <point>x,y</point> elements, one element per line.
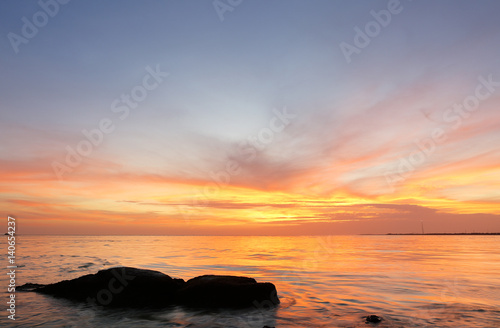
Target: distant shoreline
<point>437,234</point>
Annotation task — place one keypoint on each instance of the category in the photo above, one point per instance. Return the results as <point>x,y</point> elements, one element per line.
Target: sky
<point>239,117</point>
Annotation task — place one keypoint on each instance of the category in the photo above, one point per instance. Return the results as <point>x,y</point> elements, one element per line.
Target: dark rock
<point>224,291</point>
<point>122,286</point>
<point>28,287</point>
<point>373,319</point>
<point>131,287</point>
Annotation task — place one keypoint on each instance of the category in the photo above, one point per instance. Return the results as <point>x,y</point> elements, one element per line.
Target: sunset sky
<point>250,117</point>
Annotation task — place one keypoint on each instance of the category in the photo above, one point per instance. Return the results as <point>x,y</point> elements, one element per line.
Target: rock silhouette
<point>221,291</point>
<point>373,319</point>
<point>132,287</point>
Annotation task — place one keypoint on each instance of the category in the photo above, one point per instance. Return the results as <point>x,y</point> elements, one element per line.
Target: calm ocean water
<point>331,281</point>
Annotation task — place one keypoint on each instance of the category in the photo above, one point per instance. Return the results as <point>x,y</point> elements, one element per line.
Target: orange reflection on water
<point>319,279</point>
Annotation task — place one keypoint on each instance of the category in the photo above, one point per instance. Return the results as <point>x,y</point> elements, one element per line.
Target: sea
<point>322,281</point>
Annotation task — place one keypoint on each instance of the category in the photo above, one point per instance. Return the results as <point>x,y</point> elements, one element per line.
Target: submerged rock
<point>28,287</point>
<point>373,319</point>
<point>131,287</point>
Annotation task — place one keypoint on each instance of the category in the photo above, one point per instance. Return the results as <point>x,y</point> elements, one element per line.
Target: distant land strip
<point>435,234</point>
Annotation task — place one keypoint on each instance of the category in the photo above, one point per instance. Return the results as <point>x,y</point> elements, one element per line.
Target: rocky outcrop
<point>221,291</point>
<point>122,286</point>
<point>132,287</point>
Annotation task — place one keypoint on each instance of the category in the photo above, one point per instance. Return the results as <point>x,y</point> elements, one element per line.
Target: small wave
<point>86,265</point>
<point>286,301</point>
